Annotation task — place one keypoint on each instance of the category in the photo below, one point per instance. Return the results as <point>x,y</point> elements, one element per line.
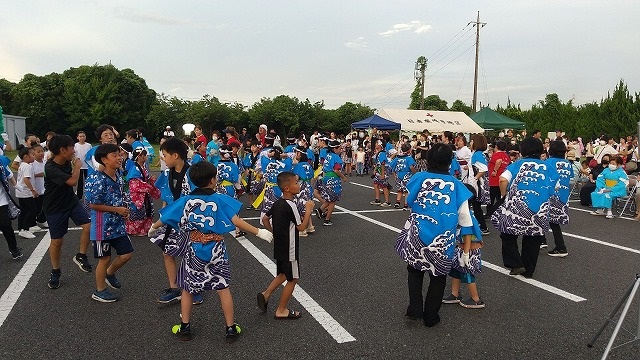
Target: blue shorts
<point>102,248</point>
<point>59,222</point>
<point>464,278</point>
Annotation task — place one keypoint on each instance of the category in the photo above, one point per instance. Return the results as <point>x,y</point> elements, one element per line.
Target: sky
<point>335,51</point>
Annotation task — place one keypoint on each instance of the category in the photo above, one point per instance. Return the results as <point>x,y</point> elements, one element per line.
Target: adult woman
<point>610,184</point>
<point>421,151</point>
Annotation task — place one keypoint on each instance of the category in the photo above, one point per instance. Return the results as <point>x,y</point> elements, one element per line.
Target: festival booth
<point>375,121</point>
<point>491,120</point>
<point>433,121</point>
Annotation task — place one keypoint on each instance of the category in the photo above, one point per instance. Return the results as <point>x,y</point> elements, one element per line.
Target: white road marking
<point>602,242</point>
<point>489,265</point>
<point>589,211</point>
<point>339,334</point>
<point>14,290</point>
<point>340,213</point>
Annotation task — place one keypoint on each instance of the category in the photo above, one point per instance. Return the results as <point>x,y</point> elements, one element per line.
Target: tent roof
<point>490,119</point>
<point>376,121</point>
<point>433,121</point>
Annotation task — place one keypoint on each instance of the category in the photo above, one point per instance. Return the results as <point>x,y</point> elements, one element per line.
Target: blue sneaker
<point>169,295</point>
<point>54,280</point>
<point>197,299</point>
<point>113,282</point>
<point>104,296</point>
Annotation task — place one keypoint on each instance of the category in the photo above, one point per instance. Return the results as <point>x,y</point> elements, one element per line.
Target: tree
<point>433,102</point>
<point>458,105</point>
<point>6,99</point>
<point>40,99</point>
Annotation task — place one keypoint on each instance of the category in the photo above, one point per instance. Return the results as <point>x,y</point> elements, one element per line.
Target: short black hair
<point>173,145</point>
<point>285,178</point>
<point>102,128</point>
<point>201,173</point>
<point>501,145</point>
<point>531,147</point>
<point>439,157</point>
<point>26,137</point>
<point>23,151</point>
<point>105,149</point>
<point>58,142</point>
<point>557,149</point>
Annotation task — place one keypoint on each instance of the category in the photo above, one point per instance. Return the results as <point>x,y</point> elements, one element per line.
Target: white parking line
<point>12,293</point>
<point>339,334</point>
<point>489,265</point>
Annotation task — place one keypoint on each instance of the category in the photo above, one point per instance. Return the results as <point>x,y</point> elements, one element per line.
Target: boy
<point>286,225</point>
<point>60,204</point>
<point>81,149</point>
<point>173,182</point>
<point>38,183</point>
<point>203,217</point>
<point>26,194</point>
<point>107,200</point>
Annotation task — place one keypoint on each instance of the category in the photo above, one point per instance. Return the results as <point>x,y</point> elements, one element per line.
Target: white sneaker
<point>303,233</point>
<point>43,225</point>
<point>311,229</point>
<point>609,215</point>
<point>26,234</point>
<point>34,229</point>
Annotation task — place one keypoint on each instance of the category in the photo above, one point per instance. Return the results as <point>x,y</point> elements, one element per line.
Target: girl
<point>380,176</point>
<point>610,184</point>
<point>476,177</point>
<point>404,167</point>
<point>558,209</point>
<point>252,173</point>
<point>141,191</point>
<point>273,166</point>
<point>331,190</point>
<point>304,171</point>
<point>498,163</point>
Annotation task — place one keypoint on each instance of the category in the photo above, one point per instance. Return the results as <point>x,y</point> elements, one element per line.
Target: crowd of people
<point>450,184</point>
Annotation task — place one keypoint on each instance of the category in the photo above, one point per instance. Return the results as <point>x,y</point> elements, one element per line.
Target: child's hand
<point>265,235</point>
<point>153,231</point>
<point>123,211</point>
<point>464,260</point>
<point>309,205</point>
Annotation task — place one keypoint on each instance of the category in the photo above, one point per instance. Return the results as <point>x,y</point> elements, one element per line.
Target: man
<point>168,133</point>
<point>244,136</point>
<point>537,134</point>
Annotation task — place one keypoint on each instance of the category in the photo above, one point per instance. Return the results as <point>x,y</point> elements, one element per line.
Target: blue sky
<point>335,51</point>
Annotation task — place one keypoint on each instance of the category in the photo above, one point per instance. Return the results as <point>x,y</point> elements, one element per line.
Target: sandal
<point>291,316</point>
<point>262,302</point>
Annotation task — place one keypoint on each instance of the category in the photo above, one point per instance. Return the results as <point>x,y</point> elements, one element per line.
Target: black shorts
<point>290,269</point>
<point>102,248</point>
<point>59,222</point>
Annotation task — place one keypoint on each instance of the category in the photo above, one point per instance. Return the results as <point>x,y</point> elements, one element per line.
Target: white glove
<point>5,137</point>
<point>464,260</point>
<point>265,235</point>
<point>153,232</point>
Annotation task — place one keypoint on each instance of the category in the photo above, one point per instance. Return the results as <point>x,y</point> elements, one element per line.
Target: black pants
<point>512,258</point>
<point>80,189</point>
<point>477,212</point>
<point>558,239</point>
<point>27,217</point>
<point>585,193</point>
<point>7,229</point>
<point>494,196</point>
<point>429,311</point>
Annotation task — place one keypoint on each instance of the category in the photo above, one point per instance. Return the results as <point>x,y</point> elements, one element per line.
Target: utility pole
<point>421,67</point>
<point>477,24</point>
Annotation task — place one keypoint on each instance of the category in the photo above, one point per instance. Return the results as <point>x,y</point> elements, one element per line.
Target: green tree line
<point>84,97</point>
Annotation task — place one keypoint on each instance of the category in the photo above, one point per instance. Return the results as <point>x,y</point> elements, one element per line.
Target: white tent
<point>434,121</point>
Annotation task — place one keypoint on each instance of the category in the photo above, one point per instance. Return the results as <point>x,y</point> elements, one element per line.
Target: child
<point>108,202</point>
<point>347,157</point>
<point>439,205</point>
<point>558,209</point>
<point>304,171</point>
<point>284,220</point>
<point>332,178</point>
<point>204,217</point>
<point>271,167</point>
<point>196,158</point>
<point>8,208</point>
<point>173,183</point>
<point>60,204</point>
<point>404,166</point>
<point>141,191</point>
<point>253,173</point>
<point>525,187</point>
<point>359,159</point>
<point>380,176</point>
<point>228,173</point>
<point>213,147</point>
<point>38,183</point>
<point>81,148</point>
<point>26,194</point>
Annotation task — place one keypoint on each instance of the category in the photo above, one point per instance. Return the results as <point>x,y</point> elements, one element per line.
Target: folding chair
<point>627,204</point>
<point>576,182</point>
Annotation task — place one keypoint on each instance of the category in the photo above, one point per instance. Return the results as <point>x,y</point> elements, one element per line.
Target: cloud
<point>417,27</point>
<point>358,43</point>
<point>136,16</point>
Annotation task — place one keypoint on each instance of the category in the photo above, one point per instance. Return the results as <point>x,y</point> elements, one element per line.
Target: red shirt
<point>494,178</point>
<point>203,148</point>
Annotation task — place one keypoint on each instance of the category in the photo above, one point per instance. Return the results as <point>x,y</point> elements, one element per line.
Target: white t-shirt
<point>38,181</point>
<point>24,171</point>
<point>81,151</point>
<point>463,154</point>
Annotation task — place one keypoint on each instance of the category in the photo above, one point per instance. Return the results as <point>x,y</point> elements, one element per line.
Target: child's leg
<point>275,283</point>
<point>55,250</point>
<point>226,303</point>
<point>330,207</point>
<point>118,263</point>
<point>455,287</point>
<point>385,192</point>
<point>186,304</point>
<point>473,291</point>
<point>101,272</point>
<point>376,191</point>
<point>282,309</point>
<point>172,270</point>
<point>84,239</point>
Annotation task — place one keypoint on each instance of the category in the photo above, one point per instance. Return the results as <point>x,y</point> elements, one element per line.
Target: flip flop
<point>291,316</point>
<point>262,302</point>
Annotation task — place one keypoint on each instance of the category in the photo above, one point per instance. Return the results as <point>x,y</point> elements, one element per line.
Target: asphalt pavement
<point>352,295</point>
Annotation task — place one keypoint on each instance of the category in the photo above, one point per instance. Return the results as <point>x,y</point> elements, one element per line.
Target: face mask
<point>612,167</point>
<point>602,142</point>
<point>300,143</point>
<point>513,143</point>
<point>215,138</point>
